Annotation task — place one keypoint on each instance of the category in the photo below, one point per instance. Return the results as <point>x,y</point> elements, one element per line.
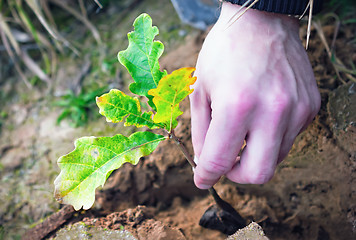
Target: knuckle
<point>279,103</point>
<point>239,106</point>
<point>277,108</point>
<point>218,167</point>
<point>307,109</point>
<point>303,111</point>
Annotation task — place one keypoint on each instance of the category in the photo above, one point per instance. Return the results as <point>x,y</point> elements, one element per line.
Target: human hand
<point>254,83</point>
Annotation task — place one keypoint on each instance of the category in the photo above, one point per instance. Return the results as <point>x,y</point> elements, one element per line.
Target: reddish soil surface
<point>312,196</point>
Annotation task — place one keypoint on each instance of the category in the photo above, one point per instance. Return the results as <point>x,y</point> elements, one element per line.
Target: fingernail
<point>204,186</point>
<point>196,162</point>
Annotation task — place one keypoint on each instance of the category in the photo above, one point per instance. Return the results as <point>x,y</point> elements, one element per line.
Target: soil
<point>312,195</point>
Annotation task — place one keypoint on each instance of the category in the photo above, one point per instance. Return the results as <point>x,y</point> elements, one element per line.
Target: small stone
<point>252,231</point>
<point>342,112</point>
<point>81,231</point>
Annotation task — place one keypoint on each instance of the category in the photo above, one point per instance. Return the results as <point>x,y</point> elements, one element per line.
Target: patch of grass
<point>76,108</point>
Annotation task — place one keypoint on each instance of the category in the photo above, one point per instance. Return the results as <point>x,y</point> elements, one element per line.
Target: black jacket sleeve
<point>292,7</point>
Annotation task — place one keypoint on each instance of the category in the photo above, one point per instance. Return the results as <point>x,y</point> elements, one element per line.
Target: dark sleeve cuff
<point>292,7</point>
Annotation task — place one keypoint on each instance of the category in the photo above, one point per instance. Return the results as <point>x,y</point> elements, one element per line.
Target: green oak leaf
<point>171,90</point>
<point>116,106</point>
<point>141,57</point>
<point>93,159</point>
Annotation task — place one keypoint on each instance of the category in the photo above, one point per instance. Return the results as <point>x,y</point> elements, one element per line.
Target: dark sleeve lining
<point>292,7</point>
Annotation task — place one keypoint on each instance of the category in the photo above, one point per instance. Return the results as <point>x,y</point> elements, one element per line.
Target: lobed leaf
<point>141,57</point>
<point>116,106</point>
<point>93,159</point>
<point>171,90</point>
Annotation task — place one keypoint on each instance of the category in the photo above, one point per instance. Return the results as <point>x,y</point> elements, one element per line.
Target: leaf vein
<point>110,160</point>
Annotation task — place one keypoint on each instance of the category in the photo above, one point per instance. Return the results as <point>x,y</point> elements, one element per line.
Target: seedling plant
<point>94,158</point>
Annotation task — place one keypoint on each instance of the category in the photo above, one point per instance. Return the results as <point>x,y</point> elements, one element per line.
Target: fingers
<point>258,160</point>
<point>270,130</point>
<point>223,141</point>
<point>263,144</point>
